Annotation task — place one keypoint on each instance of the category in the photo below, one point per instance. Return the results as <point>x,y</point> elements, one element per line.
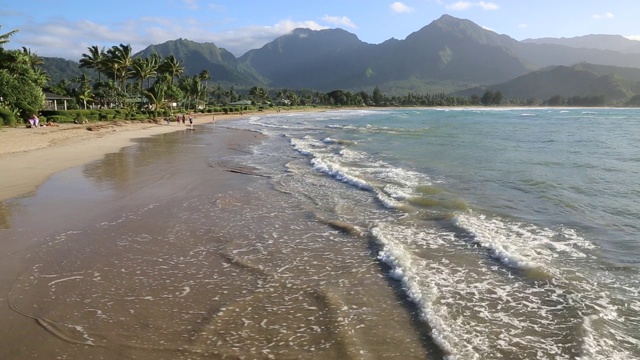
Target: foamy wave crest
<point>339,173</point>
<point>519,245</point>
<point>388,201</point>
<point>338,141</point>
<point>400,262</point>
<point>306,145</point>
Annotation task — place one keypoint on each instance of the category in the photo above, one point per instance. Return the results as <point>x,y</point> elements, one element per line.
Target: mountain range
<point>449,55</point>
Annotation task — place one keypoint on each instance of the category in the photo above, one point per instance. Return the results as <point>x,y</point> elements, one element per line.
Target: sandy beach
<point>29,156</point>
<point>30,220</point>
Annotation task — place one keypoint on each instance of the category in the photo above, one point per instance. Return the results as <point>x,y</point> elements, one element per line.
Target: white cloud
<point>399,7</point>
<point>604,16</point>
<point>69,40</point>
<point>466,5</point>
<point>522,26</point>
<point>488,5</point>
<point>339,21</point>
<point>633,37</point>
<point>460,5</point>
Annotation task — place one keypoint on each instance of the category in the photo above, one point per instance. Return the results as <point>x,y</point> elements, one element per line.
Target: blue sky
<point>66,28</point>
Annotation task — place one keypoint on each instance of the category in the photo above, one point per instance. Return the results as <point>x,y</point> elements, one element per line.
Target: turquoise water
<point>513,231</point>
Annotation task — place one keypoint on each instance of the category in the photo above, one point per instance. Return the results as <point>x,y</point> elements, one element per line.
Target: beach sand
<point>29,156</point>
<point>171,249</point>
<point>33,319</point>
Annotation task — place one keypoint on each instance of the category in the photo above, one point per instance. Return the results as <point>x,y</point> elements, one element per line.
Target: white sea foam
<point>339,173</point>
<point>473,311</point>
<point>516,244</point>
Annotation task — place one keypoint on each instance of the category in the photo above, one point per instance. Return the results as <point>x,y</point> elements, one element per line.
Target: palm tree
<point>156,94</point>
<point>4,38</point>
<point>142,69</point>
<point>85,96</point>
<point>96,59</point>
<point>40,77</point>
<point>191,87</point>
<point>258,93</point>
<point>84,81</point>
<point>34,59</point>
<point>205,76</point>
<point>121,60</point>
<point>155,61</point>
<point>171,66</point>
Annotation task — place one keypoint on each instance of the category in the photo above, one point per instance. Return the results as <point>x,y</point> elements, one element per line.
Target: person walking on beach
<point>184,118</point>
<point>191,120</point>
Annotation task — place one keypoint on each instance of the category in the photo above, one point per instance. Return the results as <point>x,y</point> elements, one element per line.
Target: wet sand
<point>55,239</point>
<point>172,249</point>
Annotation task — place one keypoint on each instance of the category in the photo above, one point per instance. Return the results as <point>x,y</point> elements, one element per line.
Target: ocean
<point>513,232</point>
<point>353,234</point>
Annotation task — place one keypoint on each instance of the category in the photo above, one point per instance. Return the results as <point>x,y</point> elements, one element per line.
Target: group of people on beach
<point>180,118</point>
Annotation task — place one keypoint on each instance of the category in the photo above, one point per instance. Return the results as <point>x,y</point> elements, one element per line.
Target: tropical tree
<point>83,81</point>
<point>172,67</point>
<point>156,95</point>
<point>85,96</point>
<point>377,96</point>
<point>40,77</point>
<point>192,88</point>
<point>293,98</point>
<point>34,59</point>
<point>4,38</point>
<point>120,60</point>
<point>142,69</point>
<point>95,59</point>
<point>20,83</point>
<point>205,76</point>
<point>155,61</point>
<point>258,93</point>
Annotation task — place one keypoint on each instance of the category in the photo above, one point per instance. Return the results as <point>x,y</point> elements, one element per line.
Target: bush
<point>8,118</point>
<point>59,119</point>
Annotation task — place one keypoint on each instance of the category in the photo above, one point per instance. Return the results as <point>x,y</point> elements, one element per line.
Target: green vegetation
<point>21,83</point>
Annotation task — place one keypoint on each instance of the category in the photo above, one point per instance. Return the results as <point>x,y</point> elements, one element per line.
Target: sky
<point>66,28</point>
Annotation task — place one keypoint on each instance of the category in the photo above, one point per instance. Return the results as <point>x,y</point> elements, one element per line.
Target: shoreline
<point>28,157</point>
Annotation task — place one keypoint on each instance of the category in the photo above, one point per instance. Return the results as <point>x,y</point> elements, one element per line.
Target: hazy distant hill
<point>59,69</point>
<point>567,81</point>
<point>600,42</point>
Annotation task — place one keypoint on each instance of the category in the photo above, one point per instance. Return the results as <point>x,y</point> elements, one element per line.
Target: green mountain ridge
<point>204,56</point>
<point>448,55</point>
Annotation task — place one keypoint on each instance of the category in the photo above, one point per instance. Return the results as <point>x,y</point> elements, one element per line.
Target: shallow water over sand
<point>158,252</point>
